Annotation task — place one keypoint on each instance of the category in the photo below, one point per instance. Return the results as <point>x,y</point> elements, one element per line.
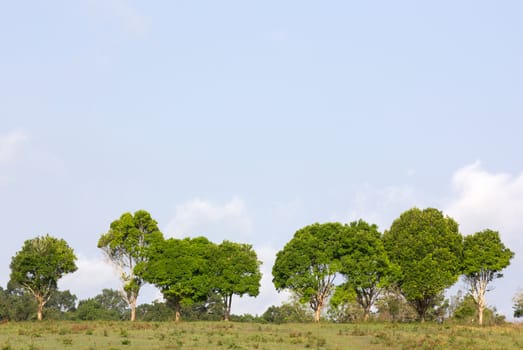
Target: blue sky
<point>248,120</point>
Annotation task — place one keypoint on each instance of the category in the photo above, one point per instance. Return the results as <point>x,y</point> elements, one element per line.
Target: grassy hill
<point>222,335</point>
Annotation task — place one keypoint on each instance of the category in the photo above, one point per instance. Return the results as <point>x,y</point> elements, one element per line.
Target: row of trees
<point>184,270</point>
<point>17,305</point>
<point>420,256</point>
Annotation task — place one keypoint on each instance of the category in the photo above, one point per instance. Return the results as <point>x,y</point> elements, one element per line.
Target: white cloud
<point>126,16</point>
<point>487,200</point>
<point>10,145</point>
<point>482,199</point>
<point>93,275</point>
<point>200,217</point>
<point>378,205</point>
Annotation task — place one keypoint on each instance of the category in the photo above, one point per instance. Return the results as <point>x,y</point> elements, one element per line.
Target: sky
<point>248,120</point>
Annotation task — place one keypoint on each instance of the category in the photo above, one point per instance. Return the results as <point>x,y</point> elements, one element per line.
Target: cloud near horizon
<point>487,200</point>
<point>200,217</point>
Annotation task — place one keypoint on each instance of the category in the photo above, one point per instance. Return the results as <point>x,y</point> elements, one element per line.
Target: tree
<point>60,305</point>
<point>518,304</point>
<point>157,311</point>
<point>180,268</point>
<point>484,257</point>
<point>292,311</point>
<point>40,264</point>
<point>392,306</point>
<point>427,247</point>
<point>343,306</point>
<point>236,271</point>
<point>365,265</point>
<point>124,246</point>
<point>16,304</point>
<point>309,262</point>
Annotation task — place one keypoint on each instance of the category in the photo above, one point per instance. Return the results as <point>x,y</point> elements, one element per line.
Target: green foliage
<point>392,306</point>
<point>60,305</point>
<point>484,256</point>
<point>180,268</point>
<point>156,311</point>
<point>16,304</point>
<point>308,263</point>
<point>125,243</point>
<point>343,305</point>
<point>91,309</point>
<point>235,271</point>
<point>518,304</point>
<point>427,247</point>
<point>466,312</point>
<point>365,264</point>
<point>210,309</point>
<point>108,305</point>
<point>291,312</point>
<point>40,264</point>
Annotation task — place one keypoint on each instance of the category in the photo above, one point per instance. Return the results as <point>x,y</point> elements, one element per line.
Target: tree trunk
<point>481,307</point>
<point>133,310</point>
<point>228,303</point>
<point>177,315</point>
<point>39,313</point>
<point>366,313</point>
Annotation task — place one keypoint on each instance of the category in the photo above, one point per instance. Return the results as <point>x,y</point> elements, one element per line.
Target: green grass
<point>222,335</point>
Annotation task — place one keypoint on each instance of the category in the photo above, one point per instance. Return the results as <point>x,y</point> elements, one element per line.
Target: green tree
<point>39,265</point>
<point>292,311</point>
<point>484,257</point>
<point>309,263</point>
<point>210,309</point>
<point>365,265</point>
<point>180,268</point>
<point>427,247</point>
<point>60,305</point>
<point>16,304</point>
<point>114,301</point>
<point>518,304</point>
<point>157,311</point>
<point>236,271</point>
<point>124,245</point>
<point>392,306</point>
<point>343,306</point>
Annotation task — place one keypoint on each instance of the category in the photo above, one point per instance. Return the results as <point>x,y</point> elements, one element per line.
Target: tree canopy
<point>39,265</point>
<point>309,262</point>
<point>124,245</point>
<point>427,247</point>
<point>180,268</point>
<point>236,271</point>
<point>365,264</point>
<point>484,257</point>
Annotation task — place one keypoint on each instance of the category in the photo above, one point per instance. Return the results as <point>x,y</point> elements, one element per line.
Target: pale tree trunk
<point>480,314</point>
<point>133,309</point>
<point>478,288</point>
<point>228,303</point>
<point>39,314</point>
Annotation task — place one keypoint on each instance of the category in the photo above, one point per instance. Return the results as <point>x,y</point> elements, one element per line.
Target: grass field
<point>222,335</point>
